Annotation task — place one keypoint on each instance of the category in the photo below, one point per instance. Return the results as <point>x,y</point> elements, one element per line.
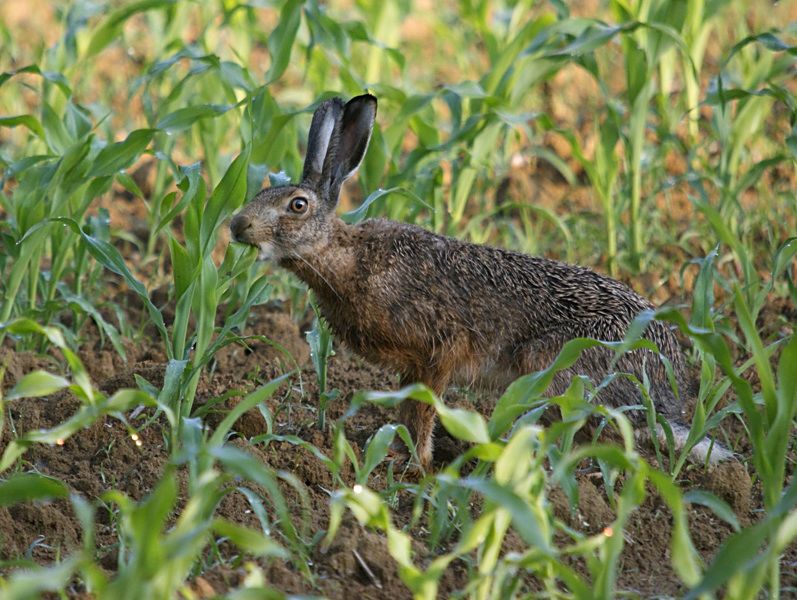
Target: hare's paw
<point>412,464</point>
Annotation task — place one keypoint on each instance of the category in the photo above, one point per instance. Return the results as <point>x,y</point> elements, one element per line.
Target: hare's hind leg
<point>538,353</point>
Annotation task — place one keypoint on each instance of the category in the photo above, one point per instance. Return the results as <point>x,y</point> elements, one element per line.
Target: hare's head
<point>288,220</point>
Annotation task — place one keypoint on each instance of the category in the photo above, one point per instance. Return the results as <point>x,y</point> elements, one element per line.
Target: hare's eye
<point>298,205</point>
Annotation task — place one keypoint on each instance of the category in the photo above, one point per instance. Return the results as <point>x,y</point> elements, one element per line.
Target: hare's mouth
<point>266,251</point>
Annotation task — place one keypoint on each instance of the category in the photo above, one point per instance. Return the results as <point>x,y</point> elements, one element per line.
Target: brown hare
<point>439,310</point>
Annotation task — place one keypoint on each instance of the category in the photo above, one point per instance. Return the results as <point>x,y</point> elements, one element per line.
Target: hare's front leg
<point>419,417</point>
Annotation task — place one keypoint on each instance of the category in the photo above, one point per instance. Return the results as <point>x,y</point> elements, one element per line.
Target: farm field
<point>176,421</point>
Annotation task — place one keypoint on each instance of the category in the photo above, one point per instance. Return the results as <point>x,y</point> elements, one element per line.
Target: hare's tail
<point>706,450</point>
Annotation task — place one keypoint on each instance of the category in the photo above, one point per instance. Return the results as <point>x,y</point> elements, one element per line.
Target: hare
<point>439,310</point>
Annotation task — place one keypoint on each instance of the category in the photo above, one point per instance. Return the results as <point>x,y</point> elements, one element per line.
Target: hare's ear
<point>349,143</point>
<point>326,120</point>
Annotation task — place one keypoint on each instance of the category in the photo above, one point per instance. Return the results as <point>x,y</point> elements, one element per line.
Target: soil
<point>357,564</point>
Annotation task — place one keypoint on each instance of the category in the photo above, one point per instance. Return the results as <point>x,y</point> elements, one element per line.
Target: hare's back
<point>485,286</point>
<point>498,314</point>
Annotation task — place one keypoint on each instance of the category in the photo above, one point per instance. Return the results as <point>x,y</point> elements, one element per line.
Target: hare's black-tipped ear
<point>326,120</point>
<point>348,145</point>
<point>355,133</point>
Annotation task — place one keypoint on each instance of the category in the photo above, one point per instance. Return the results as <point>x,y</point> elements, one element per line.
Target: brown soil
<point>357,563</point>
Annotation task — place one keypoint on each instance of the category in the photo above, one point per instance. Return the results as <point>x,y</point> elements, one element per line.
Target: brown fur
<point>439,310</point>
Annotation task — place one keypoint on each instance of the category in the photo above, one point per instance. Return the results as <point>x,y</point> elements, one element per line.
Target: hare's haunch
<point>439,310</point>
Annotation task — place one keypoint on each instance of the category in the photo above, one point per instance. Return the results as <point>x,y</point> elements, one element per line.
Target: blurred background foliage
<point>495,112</point>
<point>651,139</point>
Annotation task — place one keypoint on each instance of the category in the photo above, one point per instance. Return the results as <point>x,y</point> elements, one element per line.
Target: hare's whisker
<point>317,272</point>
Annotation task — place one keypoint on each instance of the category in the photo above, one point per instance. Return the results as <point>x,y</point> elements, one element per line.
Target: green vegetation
<point>676,120</point>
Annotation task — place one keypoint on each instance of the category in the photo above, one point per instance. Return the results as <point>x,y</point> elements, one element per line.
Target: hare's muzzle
<point>242,228</point>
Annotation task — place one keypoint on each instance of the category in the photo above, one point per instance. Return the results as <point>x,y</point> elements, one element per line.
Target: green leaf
<point>358,214</point>
<point>612,455</point>
<point>88,414</point>
<point>514,461</point>
<point>206,302</point>
<point>225,199</point>
<point>787,377</point>
<point>111,27</point>
<point>250,401</point>
<point>36,384</point>
<point>30,583</point>
<point>122,154</point>
<point>148,517</point>
<point>267,438</point>
<point>191,184</point>
<point>280,42</point>
<point>28,121</point>
<point>466,425</point>
<point>784,257</point>
<point>769,40</point>
<point>185,117</point>
<point>249,540</point>
<point>592,38</point>
<point>467,89</point>
<point>735,556</point>
<point>108,256</point>
<point>526,523</point>
<point>528,391</point>
<point>123,400</point>
<point>460,192</point>
<point>507,57</point>
<point>57,136</point>
<point>703,296</point>
<point>57,78</point>
<point>25,326</point>
<point>376,450</point>
<point>27,487</point>
<point>184,271</point>
<point>761,358</point>
<point>104,326</point>
<point>245,465</point>
<point>717,505</point>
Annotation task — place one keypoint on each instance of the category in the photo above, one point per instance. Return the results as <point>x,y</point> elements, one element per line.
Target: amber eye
<point>298,205</point>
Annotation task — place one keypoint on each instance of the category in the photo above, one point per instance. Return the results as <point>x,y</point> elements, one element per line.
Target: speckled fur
<point>439,310</point>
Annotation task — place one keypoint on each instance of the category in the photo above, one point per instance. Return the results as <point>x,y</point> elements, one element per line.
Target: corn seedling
<point>647,138</point>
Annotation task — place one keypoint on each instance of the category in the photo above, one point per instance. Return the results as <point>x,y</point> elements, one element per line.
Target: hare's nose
<point>240,226</point>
